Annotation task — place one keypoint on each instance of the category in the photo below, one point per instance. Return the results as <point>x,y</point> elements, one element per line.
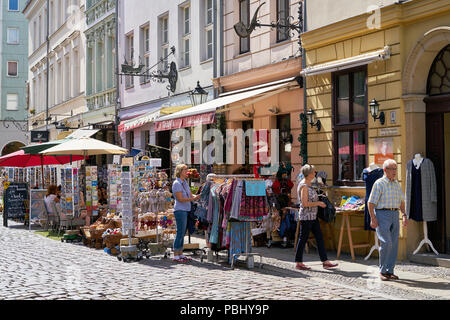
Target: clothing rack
<point>250,265</point>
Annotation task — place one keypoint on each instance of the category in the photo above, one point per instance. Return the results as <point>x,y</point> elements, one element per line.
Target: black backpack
<point>328,213</point>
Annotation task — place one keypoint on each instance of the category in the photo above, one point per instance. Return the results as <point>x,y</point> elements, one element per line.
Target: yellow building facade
<point>395,57</point>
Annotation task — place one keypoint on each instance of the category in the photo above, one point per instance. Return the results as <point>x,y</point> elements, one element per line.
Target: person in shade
<point>308,219</point>
<point>384,202</point>
<point>183,198</point>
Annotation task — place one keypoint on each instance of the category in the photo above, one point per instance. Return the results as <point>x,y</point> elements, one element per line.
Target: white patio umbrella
<point>85,147</point>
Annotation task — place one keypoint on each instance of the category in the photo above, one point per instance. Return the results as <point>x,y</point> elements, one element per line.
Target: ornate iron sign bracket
<point>159,75</point>
<point>243,31</point>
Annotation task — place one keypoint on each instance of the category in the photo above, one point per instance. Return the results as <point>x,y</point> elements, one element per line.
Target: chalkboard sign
<point>14,200</point>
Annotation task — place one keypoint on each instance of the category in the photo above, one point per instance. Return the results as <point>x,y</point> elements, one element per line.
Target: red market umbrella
<point>23,160</point>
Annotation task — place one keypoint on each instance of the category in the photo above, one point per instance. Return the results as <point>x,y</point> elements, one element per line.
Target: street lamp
<point>198,95</point>
<point>374,108</point>
<point>311,119</point>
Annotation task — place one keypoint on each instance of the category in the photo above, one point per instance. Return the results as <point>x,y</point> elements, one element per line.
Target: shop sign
<point>155,162</point>
<point>388,132</point>
<point>103,126</point>
<point>384,149</point>
<point>39,136</point>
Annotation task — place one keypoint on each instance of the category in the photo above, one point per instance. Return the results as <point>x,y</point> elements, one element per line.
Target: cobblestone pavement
<point>34,267</point>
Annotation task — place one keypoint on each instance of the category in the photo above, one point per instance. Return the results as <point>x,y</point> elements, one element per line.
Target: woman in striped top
<point>308,219</point>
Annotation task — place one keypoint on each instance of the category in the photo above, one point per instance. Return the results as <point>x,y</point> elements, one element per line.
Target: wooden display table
<point>346,220</point>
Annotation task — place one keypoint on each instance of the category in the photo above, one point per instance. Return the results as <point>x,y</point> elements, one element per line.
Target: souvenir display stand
<point>38,213</point>
<point>114,190</point>
<point>128,246</point>
<point>91,190</point>
<point>156,221</point>
<point>70,192</point>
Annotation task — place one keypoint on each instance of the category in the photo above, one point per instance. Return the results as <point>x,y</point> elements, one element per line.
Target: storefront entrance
<point>438,145</point>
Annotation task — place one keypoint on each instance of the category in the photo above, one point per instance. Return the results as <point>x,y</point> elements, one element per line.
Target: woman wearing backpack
<point>308,219</point>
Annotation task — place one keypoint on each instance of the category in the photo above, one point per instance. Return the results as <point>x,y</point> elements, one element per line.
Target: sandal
<point>302,267</point>
<point>185,259</point>
<point>329,265</point>
<point>179,260</point>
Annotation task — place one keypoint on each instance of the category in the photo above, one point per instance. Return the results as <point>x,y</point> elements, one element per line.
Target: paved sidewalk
<point>33,267</point>
<point>417,281</point>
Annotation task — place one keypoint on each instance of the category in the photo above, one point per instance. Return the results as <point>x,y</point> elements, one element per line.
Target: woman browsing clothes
<point>183,198</point>
<point>308,219</point>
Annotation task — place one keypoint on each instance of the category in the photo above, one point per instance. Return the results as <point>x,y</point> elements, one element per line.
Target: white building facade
<point>57,72</point>
<point>148,30</point>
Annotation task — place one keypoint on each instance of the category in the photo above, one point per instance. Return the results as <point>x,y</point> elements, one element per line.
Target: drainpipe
<point>215,44</point>
<point>48,67</point>
<point>221,37</point>
<point>303,117</point>
<point>117,140</point>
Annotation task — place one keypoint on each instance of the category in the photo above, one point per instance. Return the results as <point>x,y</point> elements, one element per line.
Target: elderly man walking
<point>384,202</point>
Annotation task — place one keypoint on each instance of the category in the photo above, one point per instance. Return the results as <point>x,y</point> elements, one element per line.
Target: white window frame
<point>164,31</point>
<point>8,100</point>
<point>9,38</point>
<point>17,69</point>
<point>145,52</point>
<point>18,6</point>
<point>209,12</point>
<point>186,39</point>
<point>129,80</point>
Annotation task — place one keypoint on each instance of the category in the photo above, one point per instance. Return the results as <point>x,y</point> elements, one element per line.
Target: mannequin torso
<point>417,161</point>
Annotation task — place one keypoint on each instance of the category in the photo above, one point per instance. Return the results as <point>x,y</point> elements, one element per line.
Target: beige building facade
<point>402,61</point>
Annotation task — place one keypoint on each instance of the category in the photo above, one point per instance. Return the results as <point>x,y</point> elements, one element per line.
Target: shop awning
<point>149,117</point>
<point>203,113</point>
<point>347,63</point>
<point>82,133</point>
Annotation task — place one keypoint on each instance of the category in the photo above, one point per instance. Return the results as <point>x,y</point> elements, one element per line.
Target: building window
<point>146,33</point>
<point>350,126</point>
<point>145,52</point>
<point>282,16</point>
<point>12,68</point>
<point>209,44</point>
<point>129,80</point>
<point>244,15</point>
<point>208,30</point>
<point>186,54</point>
<point>13,5</point>
<point>13,36</point>
<point>164,28</point>
<point>12,101</point>
<point>209,12</point>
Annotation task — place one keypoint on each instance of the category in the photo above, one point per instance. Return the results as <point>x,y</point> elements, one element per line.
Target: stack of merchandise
<point>352,203</point>
<point>111,240</point>
<point>151,221</point>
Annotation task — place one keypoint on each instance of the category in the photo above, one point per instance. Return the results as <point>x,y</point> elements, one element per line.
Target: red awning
<point>189,121</point>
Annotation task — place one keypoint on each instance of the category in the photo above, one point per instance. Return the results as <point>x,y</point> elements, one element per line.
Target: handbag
<point>191,218</point>
<point>328,213</point>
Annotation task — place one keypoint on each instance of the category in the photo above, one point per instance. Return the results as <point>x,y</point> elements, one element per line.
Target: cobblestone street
<point>34,267</point>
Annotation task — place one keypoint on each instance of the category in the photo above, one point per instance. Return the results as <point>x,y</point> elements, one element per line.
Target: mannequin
<point>370,175</point>
<point>421,201</point>
<point>417,161</point>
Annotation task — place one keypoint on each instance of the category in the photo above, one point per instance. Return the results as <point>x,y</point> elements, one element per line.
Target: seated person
<point>102,197</point>
<point>51,199</point>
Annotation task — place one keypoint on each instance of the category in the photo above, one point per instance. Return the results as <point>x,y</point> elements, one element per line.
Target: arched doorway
<point>12,147</point>
<point>425,114</point>
<point>438,143</point>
